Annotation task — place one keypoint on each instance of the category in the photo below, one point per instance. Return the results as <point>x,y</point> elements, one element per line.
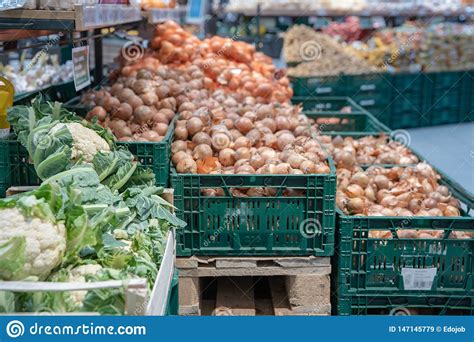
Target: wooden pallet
<point>254,286</point>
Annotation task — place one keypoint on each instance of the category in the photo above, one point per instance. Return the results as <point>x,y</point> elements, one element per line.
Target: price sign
<point>80,60</point>
<point>418,278</point>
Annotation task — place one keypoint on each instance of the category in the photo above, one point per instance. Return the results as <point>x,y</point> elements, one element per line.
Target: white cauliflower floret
<point>78,274</point>
<point>45,241</point>
<point>87,143</point>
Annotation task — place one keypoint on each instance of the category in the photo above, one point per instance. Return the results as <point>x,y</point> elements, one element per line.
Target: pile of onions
<point>368,150</point>
<point>141,107</point>
<point>230,65</point>
<point>243,137</point>
<point>397,191</point>
<point>253,192</point>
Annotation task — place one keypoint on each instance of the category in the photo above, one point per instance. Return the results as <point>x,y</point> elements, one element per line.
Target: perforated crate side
<point>369,265</point>
<point>229,225</point>
<point>382,304</point>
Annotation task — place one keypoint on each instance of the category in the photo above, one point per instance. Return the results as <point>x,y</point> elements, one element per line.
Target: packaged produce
<point>41,71</point>
<point>349,30</point>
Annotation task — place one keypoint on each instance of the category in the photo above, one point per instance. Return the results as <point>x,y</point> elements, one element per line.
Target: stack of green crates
<point>231,225</point>
<point>402,100</point>
<point>408,101</point>
<point>369,277</point>
<point>367,272</point>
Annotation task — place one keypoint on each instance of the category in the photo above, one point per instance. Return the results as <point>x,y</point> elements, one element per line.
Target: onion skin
<point>194,125</point>
<point>220,141</point>
<point>186,165</point>
<point>227,157</point>
<point>98,112</point>
<point>181,133</point>
<point>202,138</point>
<point>178,156</point>
<point>142,114</point>
<point>202,151</point>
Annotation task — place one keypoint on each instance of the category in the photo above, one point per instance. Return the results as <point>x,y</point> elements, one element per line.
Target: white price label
<point>418,278</point>
<point>81,72</point>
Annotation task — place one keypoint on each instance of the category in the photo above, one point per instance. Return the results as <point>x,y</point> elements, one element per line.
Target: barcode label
<point>418,278</point>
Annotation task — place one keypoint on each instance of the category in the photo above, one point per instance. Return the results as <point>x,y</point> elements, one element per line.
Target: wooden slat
<point>264,307</point>
<point>235,297</point>
<point>281,306</point>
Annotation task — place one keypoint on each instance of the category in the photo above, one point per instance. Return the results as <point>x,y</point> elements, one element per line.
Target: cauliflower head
<point>87,143</point>
<point>44,243</point>
<point>78,274</point>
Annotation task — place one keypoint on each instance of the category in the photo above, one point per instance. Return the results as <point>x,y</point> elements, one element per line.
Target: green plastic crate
<point>408,102</point>
<point>318,86</point>
<point>328,104</point>
<point>63,91</point>
<point>348,124</point>
<point>377,104</point>
<point>382,304</point>
<point>155,155</point>
<point>467,97</point>
<point>369,267</point>
<point>26,97</point>
<point>443,80</point>
<point>172,304</point>
<point>376,83</point>
<point>370,91</point>
<point>242,226</point>
<point>443,97</point>
<point>16,169</point>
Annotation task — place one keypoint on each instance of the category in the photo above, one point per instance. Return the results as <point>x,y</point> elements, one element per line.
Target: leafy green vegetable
<point>116,222</point>
<point>12,257</point>
<point>7,302</point>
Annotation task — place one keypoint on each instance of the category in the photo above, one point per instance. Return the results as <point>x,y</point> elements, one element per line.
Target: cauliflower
<point>87,143</point>
<point>45,241</point>
<point>78,274</point>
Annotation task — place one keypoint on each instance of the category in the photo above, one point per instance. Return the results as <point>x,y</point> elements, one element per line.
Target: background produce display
<point>413,47</point>
<point>41,71</point>
<point>319,55</point>
<point>441,47</point>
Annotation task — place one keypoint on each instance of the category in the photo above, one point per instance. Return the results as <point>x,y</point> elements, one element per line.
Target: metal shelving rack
<point>81,24</point>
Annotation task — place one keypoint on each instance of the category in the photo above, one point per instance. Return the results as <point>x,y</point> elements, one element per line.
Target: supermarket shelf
<point>159,15</point>
<point>367,12</point>
<point>82,18</point>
